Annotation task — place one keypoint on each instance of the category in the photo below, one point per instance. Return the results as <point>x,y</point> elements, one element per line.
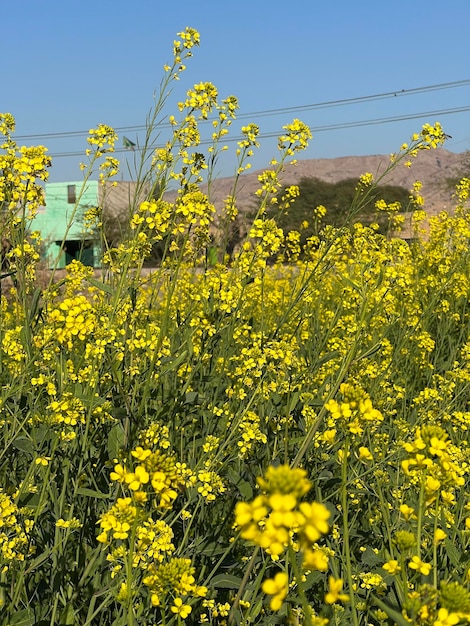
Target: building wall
<point>61,226</point>
<point>60,222</point>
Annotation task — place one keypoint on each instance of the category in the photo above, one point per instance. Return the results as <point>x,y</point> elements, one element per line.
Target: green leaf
<point>116,440</point>
<point>39,560</point>
<point>369,352</point>
<point>100,285</point>
<point>293,401</point>
<point>25,617</point>
<point>31,500</point>
<point>321,361</point>
<point>370,558</point>
<point>169,365</point>
<point>243,486</point>
<point>67,616</point>
<point>452,552</point>
<point>212,549</point>
<point>33,308</point>
<point>191,397</point>
<point>24,444</point>
<point>312,579</point>
<point>392,613</point>
<point>91,493</point>
<point>226,581</point>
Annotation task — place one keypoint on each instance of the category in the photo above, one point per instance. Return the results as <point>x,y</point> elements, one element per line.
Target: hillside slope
<point>431,167</point>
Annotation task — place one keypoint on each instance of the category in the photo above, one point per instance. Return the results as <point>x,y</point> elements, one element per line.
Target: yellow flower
<point>365,454</point>
<point>432,484</point>
<point>183,610</point>
<point>334,594</point>
<point>138,478</point>
<point>72,523</point>
<point>316,516</point>
<point>315,560</point>
<point>417,564</point>
<point>392,567</point>
<point>119,473</point>
<point>278,588</point>
<point>406,511</point>
<point>43,460</point>
<point>444,618</point>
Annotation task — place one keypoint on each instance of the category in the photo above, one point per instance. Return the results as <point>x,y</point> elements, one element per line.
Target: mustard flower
<point>391,567</point>
<point>406,511</point>
<point>72,523</point>
<point>296,138</point>
<point>276,587</point>
<point>316,560</point>
<point>190,38</point>
<point>365,454</point>
<point>316,520</point>
<point>455,597</point>
<point>404,540</point>
<point>444,618</point>
<point>366,179</point>
<point>7,124</point>
<point>138,478</point>
<point>182,610</point>
<point>285,480</point>
<point>417,564</point>
<point>334,594</point>
<point>250,132</point>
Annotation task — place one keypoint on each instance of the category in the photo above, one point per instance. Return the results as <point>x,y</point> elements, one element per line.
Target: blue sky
<point>68,66</point>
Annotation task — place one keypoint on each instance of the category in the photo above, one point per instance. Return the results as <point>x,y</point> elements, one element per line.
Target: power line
<point>318,129</point>
<point>270,112</point>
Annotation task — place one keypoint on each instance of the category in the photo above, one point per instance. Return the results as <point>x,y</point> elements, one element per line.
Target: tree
<point>304,215</point>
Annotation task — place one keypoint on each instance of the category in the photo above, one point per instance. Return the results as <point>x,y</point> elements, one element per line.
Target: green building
<point>60,221</point>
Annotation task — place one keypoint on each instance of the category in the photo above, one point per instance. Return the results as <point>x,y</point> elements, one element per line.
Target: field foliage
<point>275,437</point>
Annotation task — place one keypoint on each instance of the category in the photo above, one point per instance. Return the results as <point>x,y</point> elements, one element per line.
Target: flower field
<point>276,437</point>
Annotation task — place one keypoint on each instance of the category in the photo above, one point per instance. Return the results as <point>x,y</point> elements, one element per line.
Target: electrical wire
<point>317,129</point>
<point>271,112</point>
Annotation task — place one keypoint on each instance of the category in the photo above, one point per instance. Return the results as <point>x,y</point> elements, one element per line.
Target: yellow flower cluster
<point>118,520</point>
<point>174,579</point>
<point>14,532</point>
<point>250,132</point>
<point>146,402</point>
<point>431,458</point>
<point>155,469</point>
<point>272,519</point>
<point>354,411</point>
<point>73,319</point>
<point>296,137</point>
<point>67,410</point>
<point>21,168</point>
<point>203,97</point>
<point>155,215</point>
<point>103,137</point>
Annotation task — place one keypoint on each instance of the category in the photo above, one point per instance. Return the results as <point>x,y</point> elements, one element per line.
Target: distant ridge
<point>431,167</point>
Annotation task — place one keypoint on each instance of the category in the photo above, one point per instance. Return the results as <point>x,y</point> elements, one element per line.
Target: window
<point>71,197</point>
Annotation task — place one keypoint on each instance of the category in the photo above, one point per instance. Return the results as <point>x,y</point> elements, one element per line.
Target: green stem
<point>420,517</point>
<point>347,547</point>
<point>243,584</point>
<point>300,588</point>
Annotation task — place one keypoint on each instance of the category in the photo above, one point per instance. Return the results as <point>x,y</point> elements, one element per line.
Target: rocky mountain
<point>430,167</point>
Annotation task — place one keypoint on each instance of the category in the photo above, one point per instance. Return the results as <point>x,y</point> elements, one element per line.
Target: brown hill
<point>431,167</point>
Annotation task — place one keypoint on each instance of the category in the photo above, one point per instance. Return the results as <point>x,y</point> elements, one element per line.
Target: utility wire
<point>271,112</point>
<point>317,129</point>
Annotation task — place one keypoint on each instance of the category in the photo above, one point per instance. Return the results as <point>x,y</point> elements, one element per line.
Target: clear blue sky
<point>69,65</point>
